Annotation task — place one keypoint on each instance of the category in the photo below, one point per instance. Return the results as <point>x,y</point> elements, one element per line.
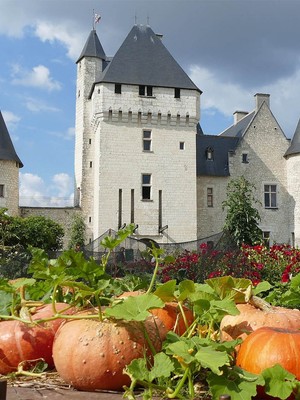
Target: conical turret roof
<point>93,47</point>
<point>142,59</point>
<point>7,150</point>
<point>295,144</point>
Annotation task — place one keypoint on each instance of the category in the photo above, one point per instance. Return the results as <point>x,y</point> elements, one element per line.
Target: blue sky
<point>231,49</point>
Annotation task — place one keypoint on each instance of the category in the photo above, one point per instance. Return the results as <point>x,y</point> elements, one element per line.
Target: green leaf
<point>137,370</point>
<point>135,308</point>
<point>182,350</point>
<point>162,367</point>
<point>279,383</point>
<point>185,288</point>
<point>212,359</point>
<point>238,384</point>
<point>166,291</point>
<point>262,287</point>
<point>229,287</point>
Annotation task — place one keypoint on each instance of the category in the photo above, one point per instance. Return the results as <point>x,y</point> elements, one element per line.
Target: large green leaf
<point>135,308</point>
<point>279,383</point>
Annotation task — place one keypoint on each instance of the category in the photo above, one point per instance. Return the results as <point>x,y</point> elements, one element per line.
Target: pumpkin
<point>252,318</point>
<point>20,341</point>
<point>170,314</point>
<point>266,347</point>
<point>91,354</point>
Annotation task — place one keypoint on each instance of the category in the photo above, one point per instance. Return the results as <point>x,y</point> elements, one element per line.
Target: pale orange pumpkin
<point>252,318</point>
<point>91,355</point>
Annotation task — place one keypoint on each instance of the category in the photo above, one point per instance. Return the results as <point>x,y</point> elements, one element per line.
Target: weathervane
<point>96,19</point>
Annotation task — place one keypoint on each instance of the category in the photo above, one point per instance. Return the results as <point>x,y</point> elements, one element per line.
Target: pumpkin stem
<point>260,303</point>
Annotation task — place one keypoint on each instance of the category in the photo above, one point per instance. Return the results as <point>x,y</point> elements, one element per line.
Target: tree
<point>33,231</point>
<point>77,239</point>
<point>242,217</point>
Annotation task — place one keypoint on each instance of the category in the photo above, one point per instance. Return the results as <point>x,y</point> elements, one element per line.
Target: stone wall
<point>9,177</point>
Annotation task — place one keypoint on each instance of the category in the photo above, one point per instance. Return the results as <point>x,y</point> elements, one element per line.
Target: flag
<point>97,18</point>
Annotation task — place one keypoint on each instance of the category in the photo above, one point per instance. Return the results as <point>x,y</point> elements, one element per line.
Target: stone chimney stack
<point>238,115</point>
<point>260,98</point>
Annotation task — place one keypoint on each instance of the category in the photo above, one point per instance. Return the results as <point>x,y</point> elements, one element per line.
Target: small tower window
<point>209,152</point>
<point>1,190</point>
<point>245,158</point>
<point>147,140</point>
<point>146,186</point>
<point>177,93</point>
<point>118,88</point>
<point>181,145</point>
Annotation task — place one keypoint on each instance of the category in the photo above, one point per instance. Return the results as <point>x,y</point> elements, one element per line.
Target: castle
<point>141,156</point>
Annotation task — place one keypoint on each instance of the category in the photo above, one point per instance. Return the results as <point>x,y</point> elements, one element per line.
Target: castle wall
<point>293,168</point>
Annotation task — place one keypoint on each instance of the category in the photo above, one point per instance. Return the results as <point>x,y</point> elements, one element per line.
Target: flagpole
<point>93,19</point>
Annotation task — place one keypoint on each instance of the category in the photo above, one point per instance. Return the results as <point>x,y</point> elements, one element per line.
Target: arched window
<point>209,153</point>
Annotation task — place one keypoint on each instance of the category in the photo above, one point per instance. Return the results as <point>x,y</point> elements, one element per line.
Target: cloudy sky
<point>232,49</point>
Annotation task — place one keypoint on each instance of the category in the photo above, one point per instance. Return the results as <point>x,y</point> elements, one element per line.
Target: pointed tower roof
<point>142,59</point>
<point>7,150</point>
<point>295,144</point>
<point>92,47</point>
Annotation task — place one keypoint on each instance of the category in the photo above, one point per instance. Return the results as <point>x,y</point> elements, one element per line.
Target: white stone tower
<point>9,172</point>
<point>135,152</point>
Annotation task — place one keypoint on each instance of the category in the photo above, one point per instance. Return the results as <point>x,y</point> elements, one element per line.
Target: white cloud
<point>228,97</point>
<point>38,105</point>
<point>38,77</point>
<point>34,192</point>
<point>11,119</point>
<point>47,31</point>
<point>68,135</point>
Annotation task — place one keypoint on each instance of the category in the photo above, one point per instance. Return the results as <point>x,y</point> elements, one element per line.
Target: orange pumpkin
<point>20,341</point>
<point>91,355</point>
<point>252,318</point>
<point>268,346</point>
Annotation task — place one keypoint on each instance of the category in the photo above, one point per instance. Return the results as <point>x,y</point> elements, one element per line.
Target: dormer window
<point>146,90</point>
<point>177,93</point>
<point>209,152</point>
<point>118,88</point>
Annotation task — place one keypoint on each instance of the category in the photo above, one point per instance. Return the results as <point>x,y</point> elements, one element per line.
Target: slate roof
<point>7,150</point>
<point>295,143</point>
<point>221,146</point>
<point>142,59</point>
<point>93,47</point>
<point>240,127</point>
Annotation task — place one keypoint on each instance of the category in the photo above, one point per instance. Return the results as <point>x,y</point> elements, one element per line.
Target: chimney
<point>260,98</point>
<point>238,115</point>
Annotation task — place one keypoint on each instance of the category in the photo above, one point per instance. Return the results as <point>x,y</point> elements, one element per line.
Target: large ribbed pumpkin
<point>252,318</point>
<point>20,341</point>
<point>91,354</point>
<point>268,346</point>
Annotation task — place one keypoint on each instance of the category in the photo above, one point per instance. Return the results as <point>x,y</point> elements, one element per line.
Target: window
<point>210,197</point>
<point>1,190</point>
<point>146,186</point>
<point>147,140</point>
<point>266,238</point>
<point>209,152</point>
<point>181,145</point>
<point>245,158</point>
<point>91,164</point>
<point>177,93</point>
<point>118,88</point>
<point>270,196</point>
<point>146,90</point>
